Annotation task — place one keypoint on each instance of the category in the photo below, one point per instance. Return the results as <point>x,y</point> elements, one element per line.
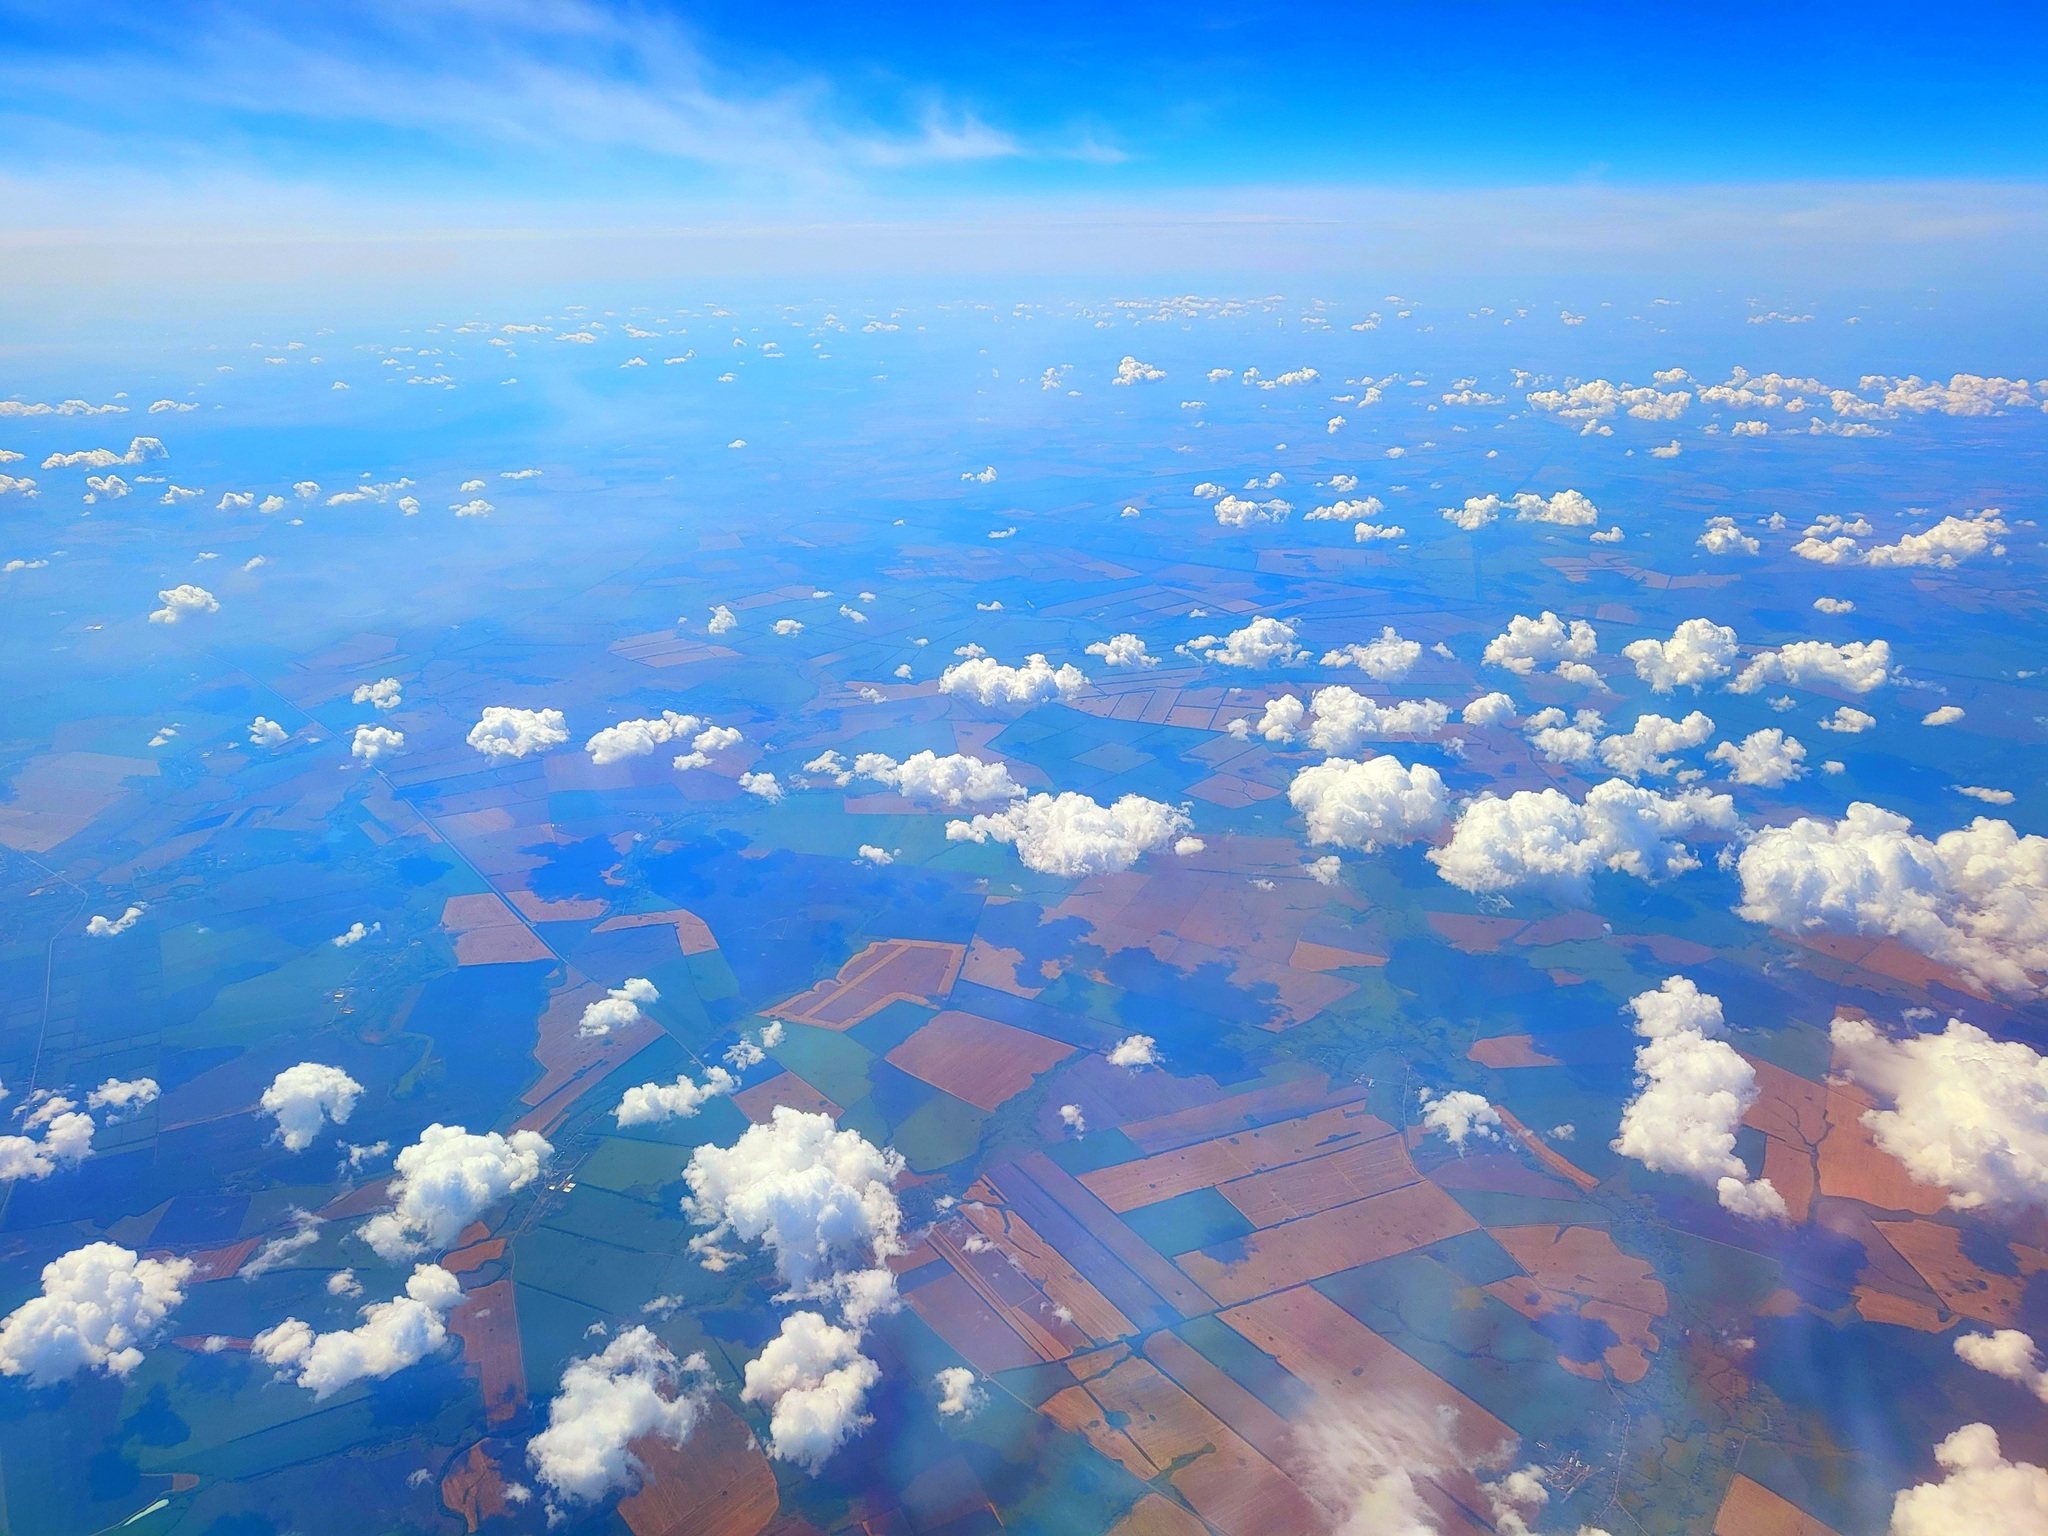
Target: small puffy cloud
<point>722,620</point>
<point>1980,1491</point>
<point>1692,1091</point>
<point>373,743</point>
<point>994,686</point>
<point>2007,1353</point>
<point>656,1103</point>
<point>1969,1113</point>
<point>1833,605</point>
<point>265,732</point>
<point>384,695</point>
<point>446,1180</point>
<point>1073,1119</point>
<point>355,933</point>
<point>633,1389</point>
<point>1241,512</point>
<point>1135,1051</point>
<point>1369,805</point>
<point>505,733</point>
<point>1699,651</point>
<point>1347,511</point>
<point>821,1200</point>
<point>1459,1116</point>
<point>65,1142</point>
<point>1642,751</point>
<point>1489,709</point>
<point>476,506</point>
<point>102,927</point>
<point>960,1394</point>
<point>639,738</point>
<point>1385,660</point>
<point>1279,722</point>
<point>954,780</point>
<point>1327,870</point>
<point>98,1305</point>
<point>1529,643</point>
<point>182,602</point>
<point>1767,758</point>
<point>305,1097</point>
<point>1131,371</point>
<point>1264,642</point>
<point>1857,667</point>
<point>869,853</point>
<point>1988,796</point>
<point>124,1096</point>
<point>1848,722</point>
<point>1723,537</point>
<point>1947,714</point>
<point>1545,840</point>
<point>1070,835</point>
<point>617,1009</point>
<point>713,738</point>
<point>1597,400</point>
<point>140,451</point>
<point>1125,650</point>
<point>814,1382</point>
<point>392,1335</point>
<point>762,785</point>
<point>1976,899</point>
<point>1561,742</point>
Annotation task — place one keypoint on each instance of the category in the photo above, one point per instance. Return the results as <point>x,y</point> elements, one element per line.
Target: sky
<point>1140,137</point>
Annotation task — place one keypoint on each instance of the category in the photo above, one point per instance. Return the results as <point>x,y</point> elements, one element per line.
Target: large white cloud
<point>1070,835</point>
<point>447,1179</point>
<point>954,780</point>
<point>307,1096</point>
<point>617,1009</point>
<point>1969,1113</point>
<point>1459,1116</point>
<point>504,732</point>
<point>1563,739</point>
<point>1369,805</point>
<point>1489,709</point>
<point>1242,512</point>
<point>1545,840</point>
<point>1858,667</point>
<point>140,450</point>
<point>1699,651</point>
<point>1568,509</point>
<point>392,1335</point>
<point>99,1305</point>
<point>1385,660</point>
<point>1976,898</point>
<point>1264,642</point>
<point>632,1389</point>
<point>1642,751</point>
<point>373,743</point>
<point>1692,1091</point>
<point>1982,1492</point>
<point>814,1381</point>
<point>1345,718</point>
<point>1529,643</point>
<point>820,1199</point>
<point>994,686</point>
<point>1767,758</point>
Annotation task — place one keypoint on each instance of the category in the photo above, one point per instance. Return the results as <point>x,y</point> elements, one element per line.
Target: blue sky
<point>563,117</point>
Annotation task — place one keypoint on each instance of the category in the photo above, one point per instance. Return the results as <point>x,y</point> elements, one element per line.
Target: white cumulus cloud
<point>1264,642</point>
<point>447,1179</point>
<point>633,1389</point>
<point>1070,835</point>
<point>993,685</point>
<point>1125,650</point>
<point>1545,840</point>
<point>1642,751</point>
<point>305,1097</point>
<point>1980,1491</point>
<point>183,602</point>
<point>392,1335</point>
<point>1529,643</point>
<point>1767,758</point>
<point>617,1009</point>
<point>1369,805</point>
<point>1699,651</point>
<point>1386,660</point>
<point>1976,898</point>
<point>1857,667</point>
<point>505,733</point>
<point>814,1382</point>
<point>98,1305</point>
